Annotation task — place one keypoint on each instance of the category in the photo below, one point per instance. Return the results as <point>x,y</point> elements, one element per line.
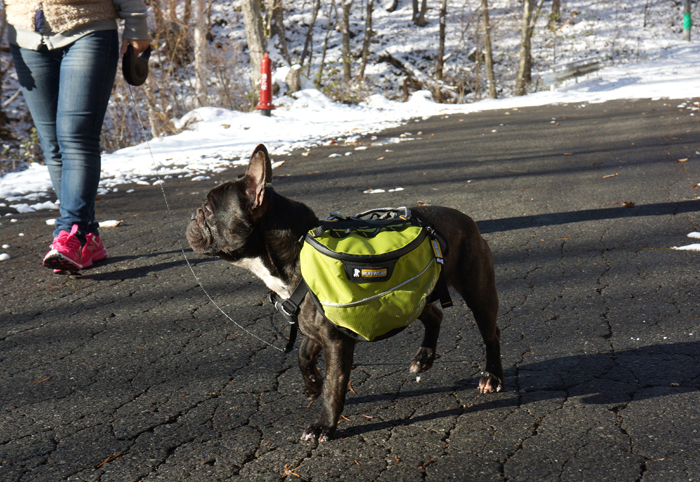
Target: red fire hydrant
<point>265,104</point>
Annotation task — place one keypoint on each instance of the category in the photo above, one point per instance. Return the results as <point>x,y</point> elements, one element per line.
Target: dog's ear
<point>259,173</point>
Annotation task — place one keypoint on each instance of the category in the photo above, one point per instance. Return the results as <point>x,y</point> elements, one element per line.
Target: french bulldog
<point>248,224</point>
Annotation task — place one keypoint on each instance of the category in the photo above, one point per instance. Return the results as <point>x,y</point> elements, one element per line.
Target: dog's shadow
<point>649,372</point>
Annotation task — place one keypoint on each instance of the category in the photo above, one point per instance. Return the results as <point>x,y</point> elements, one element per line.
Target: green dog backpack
<point>372,273</point>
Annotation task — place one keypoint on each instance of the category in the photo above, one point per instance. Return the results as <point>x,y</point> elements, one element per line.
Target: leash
<point>161,182</point>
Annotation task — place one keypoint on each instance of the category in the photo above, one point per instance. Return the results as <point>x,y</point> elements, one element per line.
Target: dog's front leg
<point>338,354</point>
<point>431,319</point>
<point>308,358</point>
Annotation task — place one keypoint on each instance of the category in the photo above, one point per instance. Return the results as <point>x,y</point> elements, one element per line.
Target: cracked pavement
<point>128,372</point>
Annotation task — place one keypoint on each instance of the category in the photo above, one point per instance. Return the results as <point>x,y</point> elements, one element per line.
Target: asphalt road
<point>130,373</point>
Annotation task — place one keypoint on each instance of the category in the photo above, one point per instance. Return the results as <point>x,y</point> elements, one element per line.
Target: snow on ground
<point>690,247</point>
<point>219,139</point>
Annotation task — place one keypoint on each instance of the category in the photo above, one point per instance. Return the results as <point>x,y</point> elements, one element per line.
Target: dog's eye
<point>207,211</point>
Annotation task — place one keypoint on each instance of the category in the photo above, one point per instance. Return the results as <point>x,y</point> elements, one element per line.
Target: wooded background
<point>208,52</point>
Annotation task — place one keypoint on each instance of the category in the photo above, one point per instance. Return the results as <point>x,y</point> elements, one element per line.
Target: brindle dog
<point>248,224</point>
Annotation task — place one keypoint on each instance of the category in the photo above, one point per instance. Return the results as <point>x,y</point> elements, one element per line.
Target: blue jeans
<point>67,91</point>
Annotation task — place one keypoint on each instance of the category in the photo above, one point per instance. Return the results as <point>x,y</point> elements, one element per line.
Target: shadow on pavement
<point>523,222</point>
<point>138,271</point>
<point>599,379</point>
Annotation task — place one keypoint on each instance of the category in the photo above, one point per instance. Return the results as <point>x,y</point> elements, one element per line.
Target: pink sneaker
<point>93,250</point>
<point>66,253</point>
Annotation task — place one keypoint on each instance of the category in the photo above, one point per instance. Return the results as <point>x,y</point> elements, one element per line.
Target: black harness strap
<point>289,309</point>
<point>441,292</point>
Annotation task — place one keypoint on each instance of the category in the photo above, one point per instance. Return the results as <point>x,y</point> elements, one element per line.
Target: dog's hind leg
<point>308,358</point>
<point>338,354</point>
<point>479,292</point>
<point>484,305</point>
<point>492,377</point>
<point>431,319</point>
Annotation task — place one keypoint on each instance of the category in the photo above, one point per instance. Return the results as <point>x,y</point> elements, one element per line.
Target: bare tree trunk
<point>419,13</point>
<point>157,11</point>
<point>556,10</point>
<point>277,27</point>
<point>331,8</point>
<point>368,37</point>
<point>3,118</point>
<point>200,51</point>
<point>308,43</point>
<point>255,36</point>
<point>345,31</point>
<point>523,64</point>
<point>188,13</point>
<point>171,7</point>
<point>441,50</point>
<point>487,49</point>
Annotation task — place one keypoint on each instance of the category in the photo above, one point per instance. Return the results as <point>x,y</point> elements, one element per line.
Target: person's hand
<point>138,45</point>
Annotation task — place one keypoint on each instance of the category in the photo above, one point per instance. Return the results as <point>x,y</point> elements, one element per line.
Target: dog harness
<point>371,274</point>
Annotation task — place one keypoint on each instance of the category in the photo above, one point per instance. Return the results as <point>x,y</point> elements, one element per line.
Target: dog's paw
<point>490,383</point>
<point>318,433</point>
<point>314,387</point>
<point>423,360</point>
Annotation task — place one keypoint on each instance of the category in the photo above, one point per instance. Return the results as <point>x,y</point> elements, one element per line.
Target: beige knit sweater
<point>60,15</point>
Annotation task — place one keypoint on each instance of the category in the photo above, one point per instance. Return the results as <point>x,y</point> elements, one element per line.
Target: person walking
<point>65,54</point>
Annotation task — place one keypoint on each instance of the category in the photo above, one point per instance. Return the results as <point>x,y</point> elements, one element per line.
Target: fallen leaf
<point>683,160</point>
<point>109,459</point>
<point>426,464</point>
<point>346,418</point>
<point>290,471</point>
<point>367,416</point>
<point>42,381</point>
<point>610,175</point>
<point>111,223</point>
<point>628,204</point>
